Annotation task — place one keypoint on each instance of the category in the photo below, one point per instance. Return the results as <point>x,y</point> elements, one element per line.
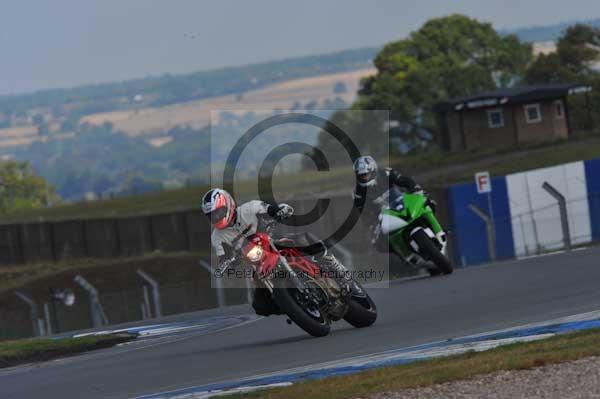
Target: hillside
<point>546,33</point>
<point>128,152</point>
<point>152,104</point>
<point>291,94</point>
<point>156,121</point>
<point>433,169</point>
<point>61,109</point>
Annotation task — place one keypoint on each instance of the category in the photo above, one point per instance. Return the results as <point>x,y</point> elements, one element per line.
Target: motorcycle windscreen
<point>391,223</point>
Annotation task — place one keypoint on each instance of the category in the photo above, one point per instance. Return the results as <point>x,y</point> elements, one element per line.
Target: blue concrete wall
<point>468,230</point>
<point>592,177</point>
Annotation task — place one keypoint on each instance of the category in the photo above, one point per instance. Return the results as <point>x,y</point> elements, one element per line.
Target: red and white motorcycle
<point>309,295</point>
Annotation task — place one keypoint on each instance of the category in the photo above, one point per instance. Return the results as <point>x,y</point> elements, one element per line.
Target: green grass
<point>517,356</point>
<point>447,168</point>
<point>537,158</point>
<point>431,167</point>
<point>153,203</point>
<point>17,276</point>
<point>173,200</point>
<point>23,351</point>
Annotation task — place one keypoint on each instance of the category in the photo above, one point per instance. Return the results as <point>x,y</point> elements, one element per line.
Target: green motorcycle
<point>413,231</point>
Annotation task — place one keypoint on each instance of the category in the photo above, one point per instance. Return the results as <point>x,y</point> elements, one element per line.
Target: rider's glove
<point>418,190</point>
<point>432,204</point>
<point>284,211</point>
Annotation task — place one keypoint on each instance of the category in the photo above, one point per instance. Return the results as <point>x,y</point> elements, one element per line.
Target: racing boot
<point>341,274</point>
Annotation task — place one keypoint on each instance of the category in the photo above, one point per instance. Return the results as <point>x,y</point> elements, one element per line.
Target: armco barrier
<point>11,247</point>
<point>103,238</point>
<point>70,240</point>
<point>36,242</point>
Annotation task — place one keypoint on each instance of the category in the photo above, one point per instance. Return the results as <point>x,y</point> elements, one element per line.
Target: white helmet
<point>219,206</point>
<point>365,169</point>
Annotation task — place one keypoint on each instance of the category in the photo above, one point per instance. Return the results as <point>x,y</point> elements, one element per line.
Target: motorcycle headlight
<point>255,254</point>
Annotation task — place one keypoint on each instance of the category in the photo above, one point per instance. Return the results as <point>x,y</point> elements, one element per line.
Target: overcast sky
<point>56,43</point>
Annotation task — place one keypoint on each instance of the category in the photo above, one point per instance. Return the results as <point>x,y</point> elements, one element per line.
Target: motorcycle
<point>412,231</point>
<point>310,296</point>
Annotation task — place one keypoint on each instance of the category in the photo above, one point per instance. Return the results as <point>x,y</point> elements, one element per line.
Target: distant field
<point>197,113</point>
<point>21,136</point>
<point>16,136</point>
<point>544,48</point>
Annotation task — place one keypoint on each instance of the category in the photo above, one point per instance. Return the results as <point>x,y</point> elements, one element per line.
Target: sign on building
<point>483,182</point>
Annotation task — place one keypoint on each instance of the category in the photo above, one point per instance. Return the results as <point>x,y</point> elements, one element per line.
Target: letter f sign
<point>483,182</point>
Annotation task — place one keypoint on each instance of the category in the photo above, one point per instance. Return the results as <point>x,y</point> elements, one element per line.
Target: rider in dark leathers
<point>371,190</point>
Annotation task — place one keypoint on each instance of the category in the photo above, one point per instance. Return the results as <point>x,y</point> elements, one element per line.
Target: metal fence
<point>555,227</point>
<point>24,315</point>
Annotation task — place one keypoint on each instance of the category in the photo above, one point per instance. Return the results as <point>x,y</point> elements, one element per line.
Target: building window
<point>495,118</point>
<point>533,114</point>
<point>559,110</point>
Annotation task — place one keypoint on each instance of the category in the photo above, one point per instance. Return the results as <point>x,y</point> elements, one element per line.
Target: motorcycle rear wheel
<point>362,311</point>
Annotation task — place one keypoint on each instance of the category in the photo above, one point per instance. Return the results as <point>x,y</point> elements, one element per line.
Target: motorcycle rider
<point>234,223</point>
<point>371,189</point>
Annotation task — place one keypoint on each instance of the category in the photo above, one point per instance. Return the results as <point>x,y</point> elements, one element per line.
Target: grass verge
<point>516,356</point>
<point>13,353</point>
<point>16,276</point>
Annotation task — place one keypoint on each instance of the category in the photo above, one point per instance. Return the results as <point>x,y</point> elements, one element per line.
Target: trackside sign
<point>483,182</point>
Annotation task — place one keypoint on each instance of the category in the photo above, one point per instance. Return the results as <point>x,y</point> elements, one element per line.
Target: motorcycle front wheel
<point>429,250</point>
<point>309,318</point>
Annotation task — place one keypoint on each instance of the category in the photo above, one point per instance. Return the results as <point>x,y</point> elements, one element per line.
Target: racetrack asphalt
<point>472,300</point>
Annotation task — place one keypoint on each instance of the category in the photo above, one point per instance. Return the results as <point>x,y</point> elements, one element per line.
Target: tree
<point>21,188</point>
<point>108,126</point>
<point>138,185</point>
<point>43,129</point>
<point>70,122</point>
<point>572,62</point>
<point>447,57</point>
<point>4,120</point>
<point>311,105</point>
<point>37,119</point>
<point>102,184</point>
